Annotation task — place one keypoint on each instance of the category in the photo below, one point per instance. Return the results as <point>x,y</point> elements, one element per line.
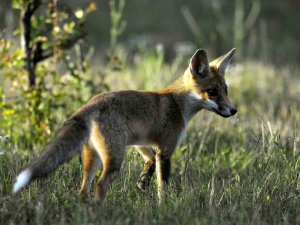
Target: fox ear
<point>199,64</point>
<point>222,62</point>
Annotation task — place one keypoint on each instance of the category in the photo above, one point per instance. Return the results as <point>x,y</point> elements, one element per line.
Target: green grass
<point>242,170</point>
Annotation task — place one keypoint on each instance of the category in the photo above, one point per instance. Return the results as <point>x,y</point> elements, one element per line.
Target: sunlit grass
<point>241,170</point>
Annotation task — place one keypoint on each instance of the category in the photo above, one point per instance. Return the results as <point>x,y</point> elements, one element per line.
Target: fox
<point>154,122</point>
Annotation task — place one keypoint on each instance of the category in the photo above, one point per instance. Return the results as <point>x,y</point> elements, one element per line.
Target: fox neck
<point>188,101</point>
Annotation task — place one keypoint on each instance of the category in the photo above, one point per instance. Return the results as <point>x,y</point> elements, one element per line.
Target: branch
<point>253,15</point>
<point>71,41</point>
<point>40,55</point>
<point>190,20</point>
<point>34,6</point>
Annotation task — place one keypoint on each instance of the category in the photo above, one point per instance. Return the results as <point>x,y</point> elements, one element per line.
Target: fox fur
<point>103,128</point>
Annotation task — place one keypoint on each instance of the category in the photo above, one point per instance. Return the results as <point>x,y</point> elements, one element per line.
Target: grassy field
<point>241,170</point>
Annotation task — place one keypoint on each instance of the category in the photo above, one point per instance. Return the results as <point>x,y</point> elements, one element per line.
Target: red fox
<point>109,122</point>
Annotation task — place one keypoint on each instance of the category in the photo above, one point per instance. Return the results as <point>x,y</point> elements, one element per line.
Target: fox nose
<point>233,111</point>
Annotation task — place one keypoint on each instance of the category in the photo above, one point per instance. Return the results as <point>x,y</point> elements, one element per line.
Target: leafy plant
<point>37,105</point>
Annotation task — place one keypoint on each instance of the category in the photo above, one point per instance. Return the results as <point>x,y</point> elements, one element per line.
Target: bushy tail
<point>69,141</point>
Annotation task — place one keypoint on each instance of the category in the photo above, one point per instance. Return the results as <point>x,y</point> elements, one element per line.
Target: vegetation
<point>241,170</point>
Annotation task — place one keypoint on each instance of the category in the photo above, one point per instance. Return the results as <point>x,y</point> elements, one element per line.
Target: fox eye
<point>212,92</point>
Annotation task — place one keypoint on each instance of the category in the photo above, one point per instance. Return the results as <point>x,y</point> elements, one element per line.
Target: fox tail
<point>69,141</point>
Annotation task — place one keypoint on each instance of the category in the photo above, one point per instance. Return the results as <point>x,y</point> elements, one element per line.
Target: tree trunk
<point>26,16</point>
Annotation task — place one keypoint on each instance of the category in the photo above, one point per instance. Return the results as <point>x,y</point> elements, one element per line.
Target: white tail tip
<point>22,180</point>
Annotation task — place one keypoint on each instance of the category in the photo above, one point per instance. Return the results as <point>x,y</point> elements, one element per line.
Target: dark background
<point>274,36</point>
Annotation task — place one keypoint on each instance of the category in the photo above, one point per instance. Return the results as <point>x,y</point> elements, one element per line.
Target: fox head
<point>206,82</point>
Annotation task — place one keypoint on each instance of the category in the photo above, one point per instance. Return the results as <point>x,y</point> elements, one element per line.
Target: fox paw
<point>143,182</point>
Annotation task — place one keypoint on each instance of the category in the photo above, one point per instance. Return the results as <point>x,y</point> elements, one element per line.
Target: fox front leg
<point>163,171</point>
<point>163,162</point>
<point>148,155</point>
<point>145,177</point>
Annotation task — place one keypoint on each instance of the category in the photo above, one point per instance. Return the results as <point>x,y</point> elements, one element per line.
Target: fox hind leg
<point>112,161</point>
<point>111,151</point>
<point>91,164</point>
<point>109,174</point>
<point>148,155</point>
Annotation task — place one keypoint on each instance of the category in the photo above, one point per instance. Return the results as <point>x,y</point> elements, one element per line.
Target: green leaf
<point>20,4</point>
<point>17,4</point>
<point>17,32</point>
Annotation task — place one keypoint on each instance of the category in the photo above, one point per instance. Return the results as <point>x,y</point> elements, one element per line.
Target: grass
<point>242,170</point>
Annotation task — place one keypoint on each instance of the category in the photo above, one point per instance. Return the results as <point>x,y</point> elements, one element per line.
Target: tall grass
<point>241,170</point>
